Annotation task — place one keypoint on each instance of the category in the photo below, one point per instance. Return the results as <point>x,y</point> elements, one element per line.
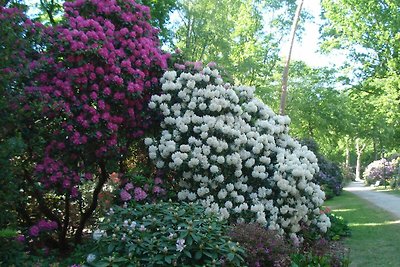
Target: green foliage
<point>311,260</point>
<point>8,233</point>
<point>243,36</point>
<point>321,252</point>
<point>10,148</point>
<point>373,25</point>
<point>162,234</point>
<point>369,31</point>
<point>339,227</point>
<point>160,11</point>
<point>11,250</point>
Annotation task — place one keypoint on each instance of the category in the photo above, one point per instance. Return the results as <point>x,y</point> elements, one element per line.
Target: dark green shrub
<point>322,253</point>
<point>11,250</point>
<point>162,234</point>
<point>339,227</point>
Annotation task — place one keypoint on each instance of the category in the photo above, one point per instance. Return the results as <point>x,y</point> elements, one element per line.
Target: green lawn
<point>375,239</point>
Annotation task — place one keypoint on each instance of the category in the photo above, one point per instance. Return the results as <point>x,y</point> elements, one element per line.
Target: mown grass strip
<point>375,239</point>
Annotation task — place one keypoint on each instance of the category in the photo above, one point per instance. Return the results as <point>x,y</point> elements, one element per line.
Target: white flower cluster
<point>233,154</point>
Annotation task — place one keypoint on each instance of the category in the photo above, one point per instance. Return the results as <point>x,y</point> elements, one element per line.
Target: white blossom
<point>233,154</point>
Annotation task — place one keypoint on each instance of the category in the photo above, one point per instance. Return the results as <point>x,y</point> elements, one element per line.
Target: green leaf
<point>168,259</point>
<point>198,255</point>
<point>196,237</point>
<point>230,256</point>
<point>187,253</point>
<point>189,240</point>
<point>110,248</point>
<point>102,264</point>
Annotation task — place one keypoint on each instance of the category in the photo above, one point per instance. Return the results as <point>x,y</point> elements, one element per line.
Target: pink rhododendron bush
<point>233,154</point>
<point>86,105</point>
<point>380,171</point>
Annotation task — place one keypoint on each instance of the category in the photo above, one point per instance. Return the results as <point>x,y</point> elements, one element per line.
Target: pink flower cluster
<point>196,66</point>
<point>109,67</point>
<point>55,175</point>
<point>42,226</point>
<point>94,82</point>
<point>138,193</point>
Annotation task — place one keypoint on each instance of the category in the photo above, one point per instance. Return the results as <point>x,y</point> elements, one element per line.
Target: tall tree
<point>370,25</point>
<point>370,31</point>
<point>161,11</point>
<point>285,74</point>
<point>233,33</point>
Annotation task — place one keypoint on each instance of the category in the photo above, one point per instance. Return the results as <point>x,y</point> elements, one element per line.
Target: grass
<point>375,232</point>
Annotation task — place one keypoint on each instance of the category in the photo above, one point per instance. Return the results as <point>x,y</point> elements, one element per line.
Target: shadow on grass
<point>375,233</point>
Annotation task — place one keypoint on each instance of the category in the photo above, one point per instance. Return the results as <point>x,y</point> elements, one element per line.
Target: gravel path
<point>383,200</point>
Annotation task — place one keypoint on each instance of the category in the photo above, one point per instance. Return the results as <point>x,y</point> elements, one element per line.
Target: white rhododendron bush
<point>233,154</point>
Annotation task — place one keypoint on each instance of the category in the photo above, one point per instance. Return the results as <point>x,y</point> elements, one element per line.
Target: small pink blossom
<point>34,231</point>
<point>140,194</point>
<point>128,186</point>
<point>125,196</point>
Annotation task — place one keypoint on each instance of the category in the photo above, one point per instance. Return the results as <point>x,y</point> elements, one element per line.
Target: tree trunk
<point>347,160</point>
<point>285,74</point>
<point>347,163</point>
<point>359,150</point>
<point>89,211</point>
<point>64,229</point>
<point>375,150</point>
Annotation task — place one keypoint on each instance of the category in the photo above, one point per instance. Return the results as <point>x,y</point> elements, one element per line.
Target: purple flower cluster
<point>129,190</point>
<point>151,190</point>
<point>54,174</point>
<point>94,81</point>
<point>42,226</point>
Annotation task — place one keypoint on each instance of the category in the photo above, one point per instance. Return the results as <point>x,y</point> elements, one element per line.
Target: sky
<point>307,49</point>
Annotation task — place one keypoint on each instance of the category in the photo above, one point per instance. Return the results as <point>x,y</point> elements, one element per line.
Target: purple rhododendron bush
<point>83,106</point>
<point>232,153</point>
<point>381,171</point>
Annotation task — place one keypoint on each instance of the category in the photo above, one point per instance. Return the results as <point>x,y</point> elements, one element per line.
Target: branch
<point>64,228</point>
<point>42,203</point>
<point>88,213</point>
<point>49,11</point>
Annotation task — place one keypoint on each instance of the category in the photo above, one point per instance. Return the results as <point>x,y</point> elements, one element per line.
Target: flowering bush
<point>162,234</point>
<point>233,154</point>
<point>95,80</point>
<point>143,189</point>
<point>330,176</point>
<point>84,106</point>
<point>379,170</point>
<point>263,247</point>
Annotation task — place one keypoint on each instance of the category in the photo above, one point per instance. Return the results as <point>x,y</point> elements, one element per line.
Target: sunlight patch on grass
<point>342,210</point>
<point>374,224</point>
